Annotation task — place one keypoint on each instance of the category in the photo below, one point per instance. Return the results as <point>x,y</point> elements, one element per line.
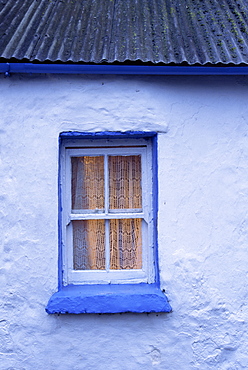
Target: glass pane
<point>87,187</point>
<point>125,244</point>
<point>125,182</point>
<point>89,245</point>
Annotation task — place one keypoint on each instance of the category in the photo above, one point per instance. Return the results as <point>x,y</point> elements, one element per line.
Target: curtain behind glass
<point>125,193</point>
<point>125,182</point>
<point>87,186</point>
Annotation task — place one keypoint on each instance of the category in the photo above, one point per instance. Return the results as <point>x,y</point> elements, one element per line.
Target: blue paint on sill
<point>108,298</point>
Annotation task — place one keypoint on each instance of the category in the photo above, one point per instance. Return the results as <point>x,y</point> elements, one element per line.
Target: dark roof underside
<point>96,31</point>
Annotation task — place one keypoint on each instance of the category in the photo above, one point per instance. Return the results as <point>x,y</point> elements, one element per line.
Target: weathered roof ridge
<point>96,31</point>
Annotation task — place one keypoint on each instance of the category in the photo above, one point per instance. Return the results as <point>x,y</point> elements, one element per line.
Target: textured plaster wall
<point>203,189</point>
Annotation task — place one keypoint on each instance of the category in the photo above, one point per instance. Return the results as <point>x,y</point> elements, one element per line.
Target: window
<point>108,248</point>
<point>107,225</point>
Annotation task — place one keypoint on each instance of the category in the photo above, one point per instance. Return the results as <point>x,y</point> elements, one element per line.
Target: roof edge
<point>9,68</point>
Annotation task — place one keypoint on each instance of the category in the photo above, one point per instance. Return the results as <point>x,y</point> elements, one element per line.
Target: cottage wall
<point>202,222</point>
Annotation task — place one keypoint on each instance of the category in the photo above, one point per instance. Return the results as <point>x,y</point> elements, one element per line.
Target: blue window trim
<point>110,298</point>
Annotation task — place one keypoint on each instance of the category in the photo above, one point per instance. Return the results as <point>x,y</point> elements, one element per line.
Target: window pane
<point>125,244</point>
<point>87,186</point>
<point>89,245</point>
<point>125,182</point>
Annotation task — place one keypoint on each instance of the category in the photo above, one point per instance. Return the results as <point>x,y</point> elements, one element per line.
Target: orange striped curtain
<point>125,236</point>
<point>88,194</point>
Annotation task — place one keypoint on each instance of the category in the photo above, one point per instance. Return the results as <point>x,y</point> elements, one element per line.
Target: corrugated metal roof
<point>96,31</point>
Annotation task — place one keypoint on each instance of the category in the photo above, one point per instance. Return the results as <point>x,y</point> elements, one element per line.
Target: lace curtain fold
<point>87,182</point>
<point>125,182</point>
<point>125,234</point>
<point>125,244</point>
<point>89,245</point>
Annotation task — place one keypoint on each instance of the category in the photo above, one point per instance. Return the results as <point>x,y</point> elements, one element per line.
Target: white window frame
<point>127,146</point>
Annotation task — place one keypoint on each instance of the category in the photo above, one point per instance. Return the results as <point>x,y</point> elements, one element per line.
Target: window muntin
<point>107,230</point>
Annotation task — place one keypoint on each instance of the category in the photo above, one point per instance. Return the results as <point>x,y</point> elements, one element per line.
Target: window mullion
<point>106,192</point>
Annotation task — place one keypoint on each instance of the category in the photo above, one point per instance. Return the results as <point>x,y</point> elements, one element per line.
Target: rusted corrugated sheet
<point>167,31</point>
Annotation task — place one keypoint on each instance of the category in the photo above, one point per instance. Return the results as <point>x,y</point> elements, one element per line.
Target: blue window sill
<point>77,299</point>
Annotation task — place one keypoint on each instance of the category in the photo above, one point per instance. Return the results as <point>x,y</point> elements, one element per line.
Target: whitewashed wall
<point>203,190</point>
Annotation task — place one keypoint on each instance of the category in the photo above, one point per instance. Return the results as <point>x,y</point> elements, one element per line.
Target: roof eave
<point>9,68</point>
